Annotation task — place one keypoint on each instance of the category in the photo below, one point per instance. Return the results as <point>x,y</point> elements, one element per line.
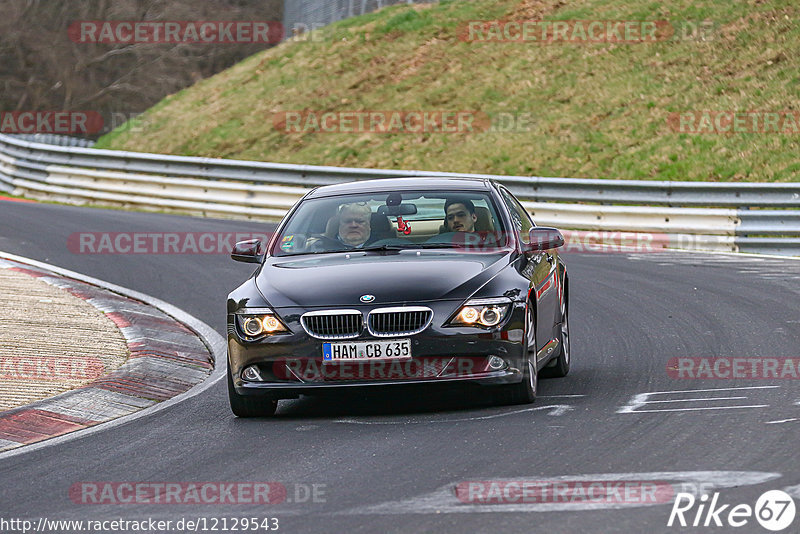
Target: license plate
<point>395,349</point>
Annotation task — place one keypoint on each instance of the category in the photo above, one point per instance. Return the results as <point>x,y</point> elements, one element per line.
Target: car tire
<point>559,366</point>
<point>247,406</point>
<point>524,392</point>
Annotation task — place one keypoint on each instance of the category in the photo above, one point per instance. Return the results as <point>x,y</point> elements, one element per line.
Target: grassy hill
<point>595,110</point>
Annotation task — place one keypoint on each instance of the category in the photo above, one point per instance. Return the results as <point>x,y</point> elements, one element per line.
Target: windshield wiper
<point>407,246</point>
<point>312,252</point>
<point>438,245</point>
<point>381,248</point>
<point>376,248</point>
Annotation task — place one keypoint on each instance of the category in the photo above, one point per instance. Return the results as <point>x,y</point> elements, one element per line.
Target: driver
<point>354,224</point>
<point>460,215</point>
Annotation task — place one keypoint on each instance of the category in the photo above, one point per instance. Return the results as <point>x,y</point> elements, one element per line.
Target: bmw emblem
<point>367,298</point>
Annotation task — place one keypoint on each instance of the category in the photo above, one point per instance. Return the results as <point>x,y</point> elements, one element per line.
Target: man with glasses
<point>354,224</point>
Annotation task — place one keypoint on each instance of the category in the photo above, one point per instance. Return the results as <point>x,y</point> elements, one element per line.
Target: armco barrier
<point>747,217</point>
<point>304,15</point>
<point>56,139</point>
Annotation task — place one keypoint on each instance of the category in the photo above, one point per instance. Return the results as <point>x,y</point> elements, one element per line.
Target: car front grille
<point>333,324</point>
<point>400,321</point>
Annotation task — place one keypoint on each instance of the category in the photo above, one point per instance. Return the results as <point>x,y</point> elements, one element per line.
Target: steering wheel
<point>322,243</point>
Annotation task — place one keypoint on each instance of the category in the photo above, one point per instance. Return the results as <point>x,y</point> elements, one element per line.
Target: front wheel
<point>249,406</point>
<point>525,391</point>
<point>559,366</point>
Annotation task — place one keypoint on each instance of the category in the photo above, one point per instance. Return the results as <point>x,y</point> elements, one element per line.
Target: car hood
<point>393,278</point>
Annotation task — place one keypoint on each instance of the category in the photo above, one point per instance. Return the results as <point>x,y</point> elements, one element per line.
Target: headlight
<point>255,323</point>
<point>482,312</point>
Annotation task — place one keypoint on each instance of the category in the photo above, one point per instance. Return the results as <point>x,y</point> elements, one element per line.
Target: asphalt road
<point>390,463</point>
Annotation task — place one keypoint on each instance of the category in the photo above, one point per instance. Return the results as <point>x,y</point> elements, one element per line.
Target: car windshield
<point>467,221</point>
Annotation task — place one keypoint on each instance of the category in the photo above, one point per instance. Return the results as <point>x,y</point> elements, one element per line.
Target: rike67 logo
<point>774,510</point>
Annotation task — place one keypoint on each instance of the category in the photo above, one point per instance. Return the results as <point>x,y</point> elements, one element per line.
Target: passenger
<point>460,215</point>
<point>354,224</point>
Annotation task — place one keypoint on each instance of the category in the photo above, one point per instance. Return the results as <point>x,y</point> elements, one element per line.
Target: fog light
<point>252,374</point>
<point>496,363</point>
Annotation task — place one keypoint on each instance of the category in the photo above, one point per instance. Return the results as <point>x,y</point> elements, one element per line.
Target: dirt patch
<point>536,9</point>
<point>782,17</point>
<point>410,66</point>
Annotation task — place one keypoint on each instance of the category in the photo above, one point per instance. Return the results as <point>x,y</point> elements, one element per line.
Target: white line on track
<point>715,389</point>
<point>705,408</point>
<point>781,421</point>
<point>558,409</point>
<point>443,500</point>
<point>722,257</point>
<point>642,399</point>
<point>794,491</point>
<point>697,400</point>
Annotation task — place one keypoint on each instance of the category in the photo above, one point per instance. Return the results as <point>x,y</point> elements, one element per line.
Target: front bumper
<point>292,364</point>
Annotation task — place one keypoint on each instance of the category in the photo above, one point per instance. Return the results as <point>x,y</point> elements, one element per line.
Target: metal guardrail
<point>56,139</point>
<point>310,14</point>
<point>702,215</point>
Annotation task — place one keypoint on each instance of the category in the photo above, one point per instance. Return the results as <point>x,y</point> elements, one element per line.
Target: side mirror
<point>543,238</point>
<point>249,251</point>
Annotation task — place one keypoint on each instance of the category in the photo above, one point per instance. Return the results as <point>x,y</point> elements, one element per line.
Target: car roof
<point>401,184</point>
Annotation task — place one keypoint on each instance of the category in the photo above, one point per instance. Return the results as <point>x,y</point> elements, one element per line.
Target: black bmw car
<point>399,281</point>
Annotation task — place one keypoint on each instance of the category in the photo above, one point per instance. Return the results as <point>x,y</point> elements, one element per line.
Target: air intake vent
<point>402,321</point>
<point>333,324</point>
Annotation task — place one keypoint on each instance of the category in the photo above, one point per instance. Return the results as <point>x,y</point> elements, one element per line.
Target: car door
<point>540,268</point>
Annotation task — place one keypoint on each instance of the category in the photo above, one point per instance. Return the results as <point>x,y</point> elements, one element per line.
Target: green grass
<point>598,110</point>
